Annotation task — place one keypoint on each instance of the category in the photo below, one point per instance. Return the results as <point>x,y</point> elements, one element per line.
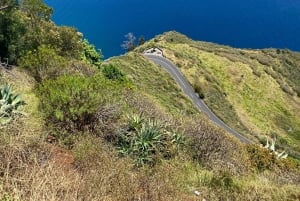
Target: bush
<point>112,72</point>
<point>199,91</point>
<point>285,87</point>
<point>261,158</point>
<point>210,146</point>
<point>148,141</point>
<point>69,42</point>
<point>72,102</point>
<point>43,63</point>
<point>223,179</point>
<point>90,54</point>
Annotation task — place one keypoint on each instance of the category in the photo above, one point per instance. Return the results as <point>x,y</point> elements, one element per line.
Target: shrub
<point>148,141</point>
<point>177,54</point>
<point>199,91</point>
<point>76,67</point>
<point>223,179</point>
<point>43,63</point>
<point>90,54</point>
<point>72,102</point>
<point>9,104</point>
<point>70,44</point>
<point>260,158</point>
<point>255,70</point>
<point>112,72</point>
<point>210,146</point>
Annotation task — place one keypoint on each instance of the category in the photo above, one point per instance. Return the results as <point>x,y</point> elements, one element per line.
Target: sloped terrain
<point>254,91</point>
<point>122,129</point>
<point>33,167</point>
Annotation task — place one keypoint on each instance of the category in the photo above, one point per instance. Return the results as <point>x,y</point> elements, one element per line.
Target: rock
<point>197,192</point>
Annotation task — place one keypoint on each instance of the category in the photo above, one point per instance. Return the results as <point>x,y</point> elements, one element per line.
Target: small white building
<point>154,51</point>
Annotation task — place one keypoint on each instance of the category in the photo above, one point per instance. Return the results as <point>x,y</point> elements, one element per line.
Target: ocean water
<point>238,23</point>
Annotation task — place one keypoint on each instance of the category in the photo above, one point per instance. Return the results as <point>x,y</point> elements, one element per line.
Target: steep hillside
<point>74,164</point>
<point>74,127</point>
<point>254,91</point>
<point>154,81</point>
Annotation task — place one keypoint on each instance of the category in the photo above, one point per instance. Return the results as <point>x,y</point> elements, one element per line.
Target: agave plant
<point>9,104</point>
<point>271,147</point>
<point>146,140</point>
<point>135,122</point>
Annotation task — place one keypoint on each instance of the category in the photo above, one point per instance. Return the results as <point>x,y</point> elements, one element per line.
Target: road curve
<point>189,91</point>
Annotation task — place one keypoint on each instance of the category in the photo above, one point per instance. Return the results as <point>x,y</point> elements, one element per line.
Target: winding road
<point>189,91</point>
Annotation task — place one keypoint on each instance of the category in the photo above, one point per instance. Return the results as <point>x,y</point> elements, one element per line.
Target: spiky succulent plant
<point>271,147</point>
<point>9,104</point>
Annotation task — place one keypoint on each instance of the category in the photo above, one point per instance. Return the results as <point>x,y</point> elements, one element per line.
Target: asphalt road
<point>189,91</point>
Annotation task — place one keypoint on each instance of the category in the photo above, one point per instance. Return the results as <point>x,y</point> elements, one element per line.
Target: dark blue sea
<point>238,23</point>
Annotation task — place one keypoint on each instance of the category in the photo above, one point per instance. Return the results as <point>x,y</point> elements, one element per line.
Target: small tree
<point>12,31</point>
<point>141,40</point>
<point>90,54</point>
<point>43,63</point>
<point>129,44</point>
<point>112,72</point>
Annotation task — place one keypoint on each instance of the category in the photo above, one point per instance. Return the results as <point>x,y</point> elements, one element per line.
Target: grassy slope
<point>33,173</point>
<point>254,91</point>
<point>154,82</point>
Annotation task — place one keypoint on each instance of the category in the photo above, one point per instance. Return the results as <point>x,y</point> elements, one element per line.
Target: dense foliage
<point>90,54</point>
<point>12,30</point>
<point>262,159</point>
<point>43,63</point>
<point>71,102</point>
<point>26,25</point>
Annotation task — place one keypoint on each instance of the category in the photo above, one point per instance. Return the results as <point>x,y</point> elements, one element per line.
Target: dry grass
<point>30,172</point>
<point>215,164</point>
<point>98,174</point>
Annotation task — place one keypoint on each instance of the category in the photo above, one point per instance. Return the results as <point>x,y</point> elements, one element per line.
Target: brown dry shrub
<point>142,104</point>
<point>27,172</point>
<point>105,119</point>
<point>261,159</point>
<point>213,147</point>
<point>105,176</point>
<point>80,68</point>
<point>285,170</point>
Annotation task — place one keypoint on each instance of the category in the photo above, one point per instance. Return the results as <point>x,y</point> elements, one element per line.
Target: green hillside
<point>75,127</point>
<point>254,91</point>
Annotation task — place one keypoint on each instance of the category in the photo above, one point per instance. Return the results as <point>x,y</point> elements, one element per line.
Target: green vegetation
<point>82,140</point>
<point>9,104</point>
<point>148,141</point>
<point>254,91</point>
<point>74,104</point>
<point>90,54</point>
<point>113,73</point>
<point>43,63</point>
<point>147,78</point>
<point>262,159</point>
<point>70,101</point>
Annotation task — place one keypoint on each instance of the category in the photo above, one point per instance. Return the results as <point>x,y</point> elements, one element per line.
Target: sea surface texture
<point>244,24</point>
